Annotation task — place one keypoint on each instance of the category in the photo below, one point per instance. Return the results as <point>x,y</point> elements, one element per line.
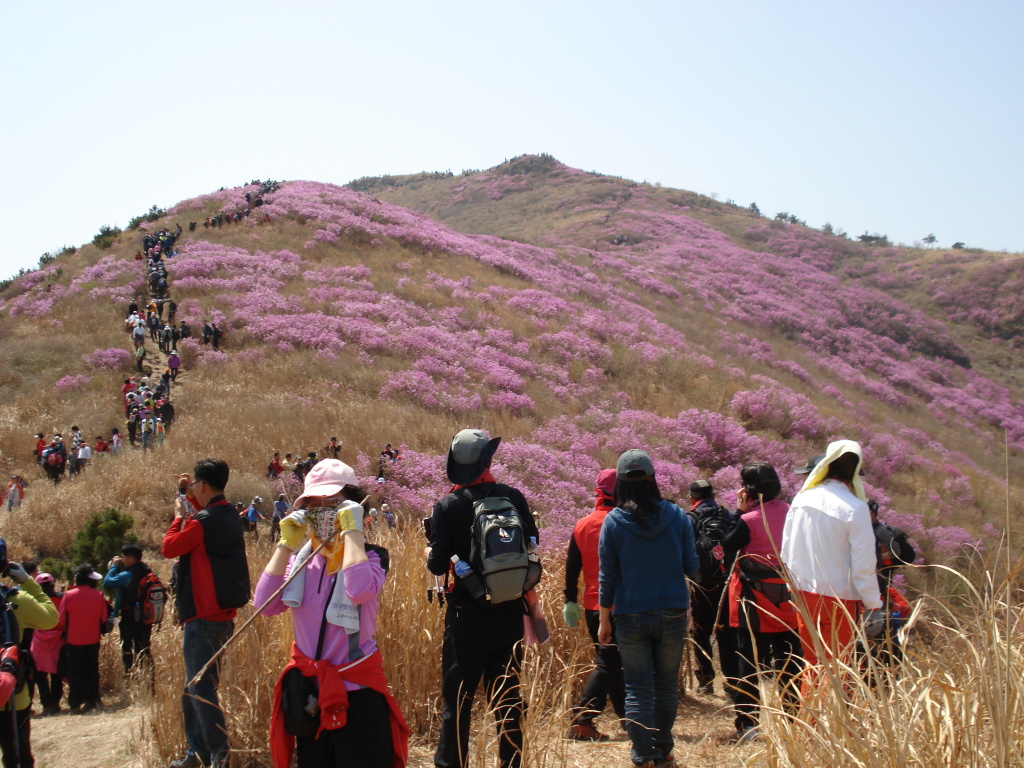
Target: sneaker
<point>667,762</point>
<point>191,760</point>
<point>586,732</point>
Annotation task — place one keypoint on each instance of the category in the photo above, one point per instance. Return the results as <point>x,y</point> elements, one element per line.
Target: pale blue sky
<point>896,117</point>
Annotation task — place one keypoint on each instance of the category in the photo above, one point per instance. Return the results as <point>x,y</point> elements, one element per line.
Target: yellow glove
<point>293,530</point>
<point>350,518</point>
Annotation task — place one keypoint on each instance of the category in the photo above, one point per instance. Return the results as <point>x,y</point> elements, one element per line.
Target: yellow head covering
<point>836,449</point>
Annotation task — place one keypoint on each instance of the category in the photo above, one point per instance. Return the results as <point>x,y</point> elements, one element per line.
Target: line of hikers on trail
<point>782,587</point>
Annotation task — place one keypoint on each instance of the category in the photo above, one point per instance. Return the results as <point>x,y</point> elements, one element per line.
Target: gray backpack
<point>498,548</point>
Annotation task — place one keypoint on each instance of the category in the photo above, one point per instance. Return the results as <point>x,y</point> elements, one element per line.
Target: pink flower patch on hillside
<point>112,359</point>
<point>71,383</point>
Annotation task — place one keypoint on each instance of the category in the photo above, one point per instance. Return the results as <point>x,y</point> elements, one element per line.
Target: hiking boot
<point>191,760</point>
<point>666,762</point>
<point>586,732</point>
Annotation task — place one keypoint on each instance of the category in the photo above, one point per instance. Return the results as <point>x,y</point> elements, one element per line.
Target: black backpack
<point>710,527</point>
<point>498,549</point>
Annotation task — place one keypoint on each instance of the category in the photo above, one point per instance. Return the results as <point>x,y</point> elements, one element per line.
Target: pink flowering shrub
<point>70,383</point>
<point>113,359</point>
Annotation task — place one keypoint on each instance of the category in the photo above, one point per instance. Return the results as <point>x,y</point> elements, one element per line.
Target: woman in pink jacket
<point>46,645</point>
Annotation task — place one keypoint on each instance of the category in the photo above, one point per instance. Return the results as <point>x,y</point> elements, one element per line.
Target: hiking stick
<point>295,572</point>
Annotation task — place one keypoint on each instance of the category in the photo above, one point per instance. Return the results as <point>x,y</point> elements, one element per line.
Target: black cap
<point>810,465</point>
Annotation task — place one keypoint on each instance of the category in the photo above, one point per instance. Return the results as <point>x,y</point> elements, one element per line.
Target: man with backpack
<point>711,524</point>
<point>138,593</point>
<point>484,622</point>
<point>212,584</point>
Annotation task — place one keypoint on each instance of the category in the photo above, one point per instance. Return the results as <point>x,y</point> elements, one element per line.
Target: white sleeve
<point>863,560</point>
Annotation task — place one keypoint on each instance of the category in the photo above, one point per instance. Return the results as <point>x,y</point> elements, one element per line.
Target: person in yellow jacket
<point>25,606</point>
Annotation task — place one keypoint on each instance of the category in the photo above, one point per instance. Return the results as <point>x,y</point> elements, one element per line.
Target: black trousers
<point>778,655</point>
<point>605,681</point>
<point>709,614</point>
<point>481,642</point>
<point>364,742</point>
<point>51,689</point>
<point>24,748</point>
<point>135,639</point>
<point>83,675</point>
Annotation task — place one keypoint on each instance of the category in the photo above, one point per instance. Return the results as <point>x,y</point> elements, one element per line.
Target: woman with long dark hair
<point>646,552</point>
<point>760,605</point>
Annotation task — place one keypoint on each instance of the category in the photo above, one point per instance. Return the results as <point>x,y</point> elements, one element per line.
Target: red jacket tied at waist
<point>367,672</point>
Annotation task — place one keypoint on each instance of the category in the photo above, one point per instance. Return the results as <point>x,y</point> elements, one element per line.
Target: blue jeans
<point>651,645</point>
<point>204,721</point>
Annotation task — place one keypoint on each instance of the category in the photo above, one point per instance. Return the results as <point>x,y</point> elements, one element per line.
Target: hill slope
<point>574,314</point>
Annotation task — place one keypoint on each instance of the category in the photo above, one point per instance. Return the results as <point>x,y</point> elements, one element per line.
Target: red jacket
<point>82,612</point>
<point>213,573</point>
<point>367,672</point>
<point>582,555</point>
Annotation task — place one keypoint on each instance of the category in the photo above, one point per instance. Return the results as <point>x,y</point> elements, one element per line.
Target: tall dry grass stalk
<point>957,699</point>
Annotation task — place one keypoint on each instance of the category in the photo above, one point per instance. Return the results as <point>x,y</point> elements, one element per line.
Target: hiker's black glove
<point>874,622</point>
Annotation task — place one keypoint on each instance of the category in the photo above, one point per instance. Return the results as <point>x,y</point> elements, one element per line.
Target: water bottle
<point>532,550</point>
<point>468,578</point>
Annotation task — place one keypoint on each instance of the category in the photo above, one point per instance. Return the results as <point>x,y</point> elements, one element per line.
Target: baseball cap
<point>698,487</point>
<point>812,462</point>
<point>44,578</point>
<point>633,461</point>
<point>606,482</point>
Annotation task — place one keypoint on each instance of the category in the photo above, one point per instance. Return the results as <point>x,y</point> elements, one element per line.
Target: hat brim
<point>464,474</point>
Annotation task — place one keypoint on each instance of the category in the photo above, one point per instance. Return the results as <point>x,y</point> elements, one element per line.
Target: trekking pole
<point>296,570</point>
<point>299,568</point>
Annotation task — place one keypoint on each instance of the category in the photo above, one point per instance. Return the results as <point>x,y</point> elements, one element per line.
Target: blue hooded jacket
<point>645,569</point>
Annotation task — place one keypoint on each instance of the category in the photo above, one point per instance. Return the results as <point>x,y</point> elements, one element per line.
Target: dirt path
<point>109,738</point>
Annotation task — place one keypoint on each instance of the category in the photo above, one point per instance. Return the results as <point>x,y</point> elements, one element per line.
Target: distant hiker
<point>84,456</point>
<point>893,551</point>
<point>140,357</point>
<point>132,423</point>
<point>605,681</point>
<point>647,553</point>
<point>83,612</point>
<point>829,549</point>
<point>481,640</point>
<point>252,516</point>
<point>101,445</point>
<point>15,493</point>
<point>115,441</point>
<point>191,226</point>
<point>389,516</point>
<point>711,524</point>
<point>280,511</point>
<point>212,584</point>
<point>207,333</point>
<point>333,448</point>
<point>217,334</point>
<point>55,457</point>
<point>185,330</point>
<point>172,310</point>
<point>760,607</point>
<point>167,414</point>
<point>274,468</point>
<point>333,607</point>
<point>160,432</point>
<point>41,444</point>
<point>124,576</point>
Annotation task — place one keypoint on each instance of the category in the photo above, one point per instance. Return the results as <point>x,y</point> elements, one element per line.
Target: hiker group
<point>780,587</point>
<point>57,458</point>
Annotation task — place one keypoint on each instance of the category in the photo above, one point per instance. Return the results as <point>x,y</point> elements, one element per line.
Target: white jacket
<point>828,545</point>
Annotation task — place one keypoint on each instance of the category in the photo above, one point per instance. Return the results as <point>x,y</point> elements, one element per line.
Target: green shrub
<point>101,538</point>
<point>151,215</point>
<point>106,237</point>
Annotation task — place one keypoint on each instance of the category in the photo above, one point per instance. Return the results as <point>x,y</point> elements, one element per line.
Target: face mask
<point>322,522</point>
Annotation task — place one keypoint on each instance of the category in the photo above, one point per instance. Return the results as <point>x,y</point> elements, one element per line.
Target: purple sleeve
<point>265,587</point>
<point>364,581</point>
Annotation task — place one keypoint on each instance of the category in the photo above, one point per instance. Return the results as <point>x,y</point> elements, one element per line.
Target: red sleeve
<point>6,686</point>
<point>182,537</point>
